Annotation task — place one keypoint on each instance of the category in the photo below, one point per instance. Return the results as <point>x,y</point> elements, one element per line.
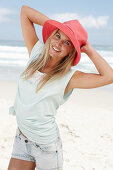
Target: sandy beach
<point>85,122</point>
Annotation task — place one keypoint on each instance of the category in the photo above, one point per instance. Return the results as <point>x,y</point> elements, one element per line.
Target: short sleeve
<point>35,52</point>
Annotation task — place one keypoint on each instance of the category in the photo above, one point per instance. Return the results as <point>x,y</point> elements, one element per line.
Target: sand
<point>85,122</point>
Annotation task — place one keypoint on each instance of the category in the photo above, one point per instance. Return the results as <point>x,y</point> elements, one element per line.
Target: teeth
<point>55,49</point>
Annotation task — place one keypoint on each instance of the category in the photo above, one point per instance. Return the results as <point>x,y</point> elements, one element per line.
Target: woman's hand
<point>87,48</point>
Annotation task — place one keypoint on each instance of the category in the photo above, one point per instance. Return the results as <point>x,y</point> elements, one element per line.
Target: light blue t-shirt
<point>35,112</point>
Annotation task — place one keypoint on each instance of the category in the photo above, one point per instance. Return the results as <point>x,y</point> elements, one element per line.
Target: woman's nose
<point>59,43</point>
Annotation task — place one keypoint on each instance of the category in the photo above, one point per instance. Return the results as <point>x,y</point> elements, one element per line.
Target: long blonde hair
<point>39,63</point>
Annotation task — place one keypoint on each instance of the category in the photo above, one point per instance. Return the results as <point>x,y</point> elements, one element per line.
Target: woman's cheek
<point>66,50</point>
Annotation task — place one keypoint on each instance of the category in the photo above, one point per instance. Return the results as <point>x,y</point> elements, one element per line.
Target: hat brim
<point>51,25</point>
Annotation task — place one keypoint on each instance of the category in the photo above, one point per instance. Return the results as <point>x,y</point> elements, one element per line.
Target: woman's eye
<point>57,35</point>
<point>67,43</point>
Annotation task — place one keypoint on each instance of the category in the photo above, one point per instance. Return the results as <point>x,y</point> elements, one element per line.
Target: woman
<point>46,83</point>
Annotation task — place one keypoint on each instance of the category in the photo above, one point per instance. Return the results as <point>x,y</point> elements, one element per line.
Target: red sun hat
<point>73,29</point>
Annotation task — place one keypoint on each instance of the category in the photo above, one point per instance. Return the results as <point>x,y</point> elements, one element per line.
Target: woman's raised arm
<point>92,80</point>
<point>29,17</point>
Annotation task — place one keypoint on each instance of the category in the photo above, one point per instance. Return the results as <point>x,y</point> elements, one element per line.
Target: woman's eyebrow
<point>57,32</point>
<point>66,39</point>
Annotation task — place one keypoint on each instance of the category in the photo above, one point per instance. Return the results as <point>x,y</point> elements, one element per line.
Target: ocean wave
<point>17,57</point>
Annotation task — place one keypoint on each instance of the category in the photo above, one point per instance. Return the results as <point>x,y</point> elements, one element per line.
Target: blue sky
<point>95,16</point>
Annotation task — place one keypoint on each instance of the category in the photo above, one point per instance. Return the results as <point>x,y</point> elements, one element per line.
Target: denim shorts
<point>45,156</point>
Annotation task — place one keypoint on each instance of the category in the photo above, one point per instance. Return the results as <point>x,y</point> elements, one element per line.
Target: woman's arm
<point>102,66</point>
<point>29,16</point>
<point>91,80</point>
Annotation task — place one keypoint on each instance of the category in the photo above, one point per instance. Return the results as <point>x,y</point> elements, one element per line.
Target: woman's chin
<point>52,55</point>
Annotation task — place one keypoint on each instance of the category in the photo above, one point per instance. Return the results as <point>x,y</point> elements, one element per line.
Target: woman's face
<point>60,45</point>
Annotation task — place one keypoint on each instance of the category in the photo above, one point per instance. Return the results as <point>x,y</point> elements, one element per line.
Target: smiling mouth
<point>55,49</point>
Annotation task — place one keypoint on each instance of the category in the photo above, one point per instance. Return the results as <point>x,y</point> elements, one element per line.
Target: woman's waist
<point>42,134</point>
<point>54,138</point>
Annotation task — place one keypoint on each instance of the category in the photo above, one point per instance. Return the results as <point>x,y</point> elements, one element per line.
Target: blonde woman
<point>47,82</point>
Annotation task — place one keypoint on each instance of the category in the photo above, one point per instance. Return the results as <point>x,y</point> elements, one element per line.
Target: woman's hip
<point>45,155</point>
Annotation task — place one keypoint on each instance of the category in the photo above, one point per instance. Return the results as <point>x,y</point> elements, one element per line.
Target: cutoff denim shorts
<point>46,156</point>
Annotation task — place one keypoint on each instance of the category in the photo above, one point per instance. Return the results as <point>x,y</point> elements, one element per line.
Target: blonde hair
<point>39,63</point>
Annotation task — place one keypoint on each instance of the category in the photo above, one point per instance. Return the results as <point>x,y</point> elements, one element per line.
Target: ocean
<point>14,57</point>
